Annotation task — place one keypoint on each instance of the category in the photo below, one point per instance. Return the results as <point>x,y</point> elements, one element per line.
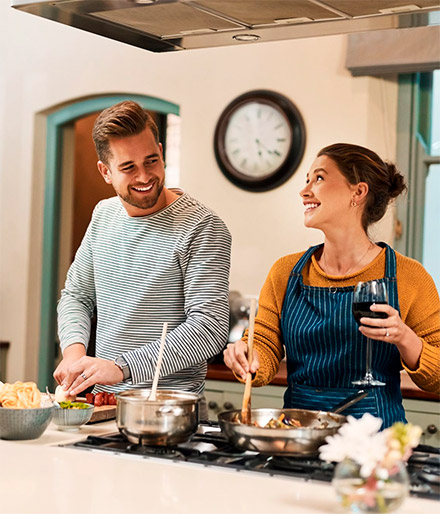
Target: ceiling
<point>168,25</point>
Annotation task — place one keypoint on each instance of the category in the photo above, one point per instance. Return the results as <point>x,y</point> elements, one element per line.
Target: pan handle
<point>348,402</point>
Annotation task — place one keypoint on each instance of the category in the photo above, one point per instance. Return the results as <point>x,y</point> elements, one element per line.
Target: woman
<point>305,304</point>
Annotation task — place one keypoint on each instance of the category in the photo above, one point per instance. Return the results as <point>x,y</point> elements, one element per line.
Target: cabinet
<point>222,395</point>
<point>427,415</point>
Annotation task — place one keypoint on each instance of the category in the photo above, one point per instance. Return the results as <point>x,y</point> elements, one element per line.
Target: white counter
<point>40,477</point>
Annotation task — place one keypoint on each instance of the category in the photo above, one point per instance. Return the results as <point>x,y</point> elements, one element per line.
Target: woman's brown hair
<point>121,120</point>
<point>359,164</point>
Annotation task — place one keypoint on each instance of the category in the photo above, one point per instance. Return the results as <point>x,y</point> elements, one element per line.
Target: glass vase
<point>383,490</point>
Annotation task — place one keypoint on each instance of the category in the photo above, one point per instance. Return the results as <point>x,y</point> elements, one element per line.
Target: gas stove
<point>208,447</point>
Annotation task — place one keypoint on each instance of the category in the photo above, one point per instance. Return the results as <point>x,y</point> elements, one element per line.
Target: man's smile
<point>143,188</point>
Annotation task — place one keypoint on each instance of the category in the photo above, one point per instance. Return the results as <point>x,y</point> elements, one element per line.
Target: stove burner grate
<point>314,468</point>
<point>210,448</point>
<point>155,451</point>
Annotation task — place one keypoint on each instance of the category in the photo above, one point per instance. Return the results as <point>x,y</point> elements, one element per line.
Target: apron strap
<point>390,276</point>
<point>390,261</point>
<point>297,269</point>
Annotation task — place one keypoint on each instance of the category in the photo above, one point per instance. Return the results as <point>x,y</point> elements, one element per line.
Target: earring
<point>353,203</point>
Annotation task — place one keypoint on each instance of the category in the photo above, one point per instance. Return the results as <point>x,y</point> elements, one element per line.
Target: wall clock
<point>259,140</point>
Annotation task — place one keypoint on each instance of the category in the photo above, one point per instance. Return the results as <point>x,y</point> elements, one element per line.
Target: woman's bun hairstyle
<point>359,164</point>
<point>397,180</point>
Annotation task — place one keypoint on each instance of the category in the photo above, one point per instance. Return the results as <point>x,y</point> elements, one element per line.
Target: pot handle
<point>169,410</point>
<point>348,402</point>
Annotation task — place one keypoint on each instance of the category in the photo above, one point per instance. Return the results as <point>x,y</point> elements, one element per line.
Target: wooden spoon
<point>246,407</point>
<point>153,394</point>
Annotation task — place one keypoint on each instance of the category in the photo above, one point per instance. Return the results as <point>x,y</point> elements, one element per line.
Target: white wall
<point>43,63</point>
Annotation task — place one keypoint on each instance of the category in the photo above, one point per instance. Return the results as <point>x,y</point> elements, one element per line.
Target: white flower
<point>364,427</point>
<point>382,474</point>
<point>359,440</point>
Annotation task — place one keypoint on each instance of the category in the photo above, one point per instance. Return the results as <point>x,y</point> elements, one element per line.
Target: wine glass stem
<point>368,359</point>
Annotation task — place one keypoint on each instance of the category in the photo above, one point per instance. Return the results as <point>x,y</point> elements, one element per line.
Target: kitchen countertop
<point>39,476</point>
<point>409,389</point>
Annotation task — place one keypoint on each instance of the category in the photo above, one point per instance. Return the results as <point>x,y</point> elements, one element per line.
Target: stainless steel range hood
<point>168,25</point>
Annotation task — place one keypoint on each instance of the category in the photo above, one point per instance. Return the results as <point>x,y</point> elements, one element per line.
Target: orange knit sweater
<point>418,300</point>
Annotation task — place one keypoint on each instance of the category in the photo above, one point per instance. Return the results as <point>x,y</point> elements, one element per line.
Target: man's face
<point>137,173</point>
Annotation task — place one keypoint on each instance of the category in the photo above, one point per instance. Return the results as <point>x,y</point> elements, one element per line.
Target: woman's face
<point>327,196</point>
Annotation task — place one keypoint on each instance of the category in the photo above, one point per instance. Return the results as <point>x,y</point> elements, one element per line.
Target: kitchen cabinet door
<point>427,415</point>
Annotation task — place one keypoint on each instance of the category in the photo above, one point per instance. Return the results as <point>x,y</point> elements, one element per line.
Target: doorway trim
<point>56,122</point>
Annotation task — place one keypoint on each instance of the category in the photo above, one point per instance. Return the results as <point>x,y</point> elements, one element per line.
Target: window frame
<point>413,158</point>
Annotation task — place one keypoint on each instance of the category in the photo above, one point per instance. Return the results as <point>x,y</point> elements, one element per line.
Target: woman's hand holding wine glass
<point>381,322</point>
<point>390,328</point>
<point>391,331</point>
<point>366,295</point>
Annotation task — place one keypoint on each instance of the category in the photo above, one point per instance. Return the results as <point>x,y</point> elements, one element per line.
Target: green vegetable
<point>74,405</point>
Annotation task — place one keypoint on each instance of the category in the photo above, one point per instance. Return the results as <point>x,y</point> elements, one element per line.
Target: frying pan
<point>315,427</point>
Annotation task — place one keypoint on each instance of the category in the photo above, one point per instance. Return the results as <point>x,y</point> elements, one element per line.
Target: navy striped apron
<point>325,351</point>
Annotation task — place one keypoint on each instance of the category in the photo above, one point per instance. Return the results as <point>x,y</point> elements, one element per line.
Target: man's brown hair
<point>121,120</point>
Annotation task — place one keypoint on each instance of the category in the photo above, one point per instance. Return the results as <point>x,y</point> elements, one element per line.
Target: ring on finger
<point>83,376</point>
<point>387,333</point>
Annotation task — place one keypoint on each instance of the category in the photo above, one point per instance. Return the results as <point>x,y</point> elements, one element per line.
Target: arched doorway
<point>57,125</point>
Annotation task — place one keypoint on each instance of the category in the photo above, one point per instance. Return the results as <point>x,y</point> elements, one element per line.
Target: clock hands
<point>262,145</point>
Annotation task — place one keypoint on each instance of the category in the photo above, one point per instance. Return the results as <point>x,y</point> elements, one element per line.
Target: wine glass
<point>364,296</point>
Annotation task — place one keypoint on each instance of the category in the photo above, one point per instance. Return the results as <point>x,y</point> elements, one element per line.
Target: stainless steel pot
<point>316,426</point>
<point>169,420</point>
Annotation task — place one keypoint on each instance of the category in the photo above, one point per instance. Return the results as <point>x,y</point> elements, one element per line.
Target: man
<point>150,255</point>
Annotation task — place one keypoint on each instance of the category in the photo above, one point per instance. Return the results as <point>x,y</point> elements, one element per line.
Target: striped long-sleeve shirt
<point>170,266</point>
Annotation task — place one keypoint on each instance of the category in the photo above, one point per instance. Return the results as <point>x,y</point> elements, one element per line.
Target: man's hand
<point>71,354</point>
<point>88,371</point>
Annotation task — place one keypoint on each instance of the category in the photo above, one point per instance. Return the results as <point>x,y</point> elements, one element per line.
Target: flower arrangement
<point>370,475</point>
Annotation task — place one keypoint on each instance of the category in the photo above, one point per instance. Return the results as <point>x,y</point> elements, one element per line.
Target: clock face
<point>259,140</point>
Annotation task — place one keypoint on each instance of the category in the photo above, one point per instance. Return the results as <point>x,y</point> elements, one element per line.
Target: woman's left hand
<point>391,329</point>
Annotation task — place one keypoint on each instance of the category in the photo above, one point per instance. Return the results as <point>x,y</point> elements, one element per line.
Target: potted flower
<point>371,475</point>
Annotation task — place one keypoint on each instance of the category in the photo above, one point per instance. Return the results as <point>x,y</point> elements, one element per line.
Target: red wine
<point>362,310</point>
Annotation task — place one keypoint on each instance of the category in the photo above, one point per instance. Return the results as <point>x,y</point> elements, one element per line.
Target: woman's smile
<point>310,206</point>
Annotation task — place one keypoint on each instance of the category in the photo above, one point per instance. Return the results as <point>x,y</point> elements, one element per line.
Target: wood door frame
<point>55,125</point>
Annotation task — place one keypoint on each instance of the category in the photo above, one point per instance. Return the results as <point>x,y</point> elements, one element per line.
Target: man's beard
<point>143,203</point>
